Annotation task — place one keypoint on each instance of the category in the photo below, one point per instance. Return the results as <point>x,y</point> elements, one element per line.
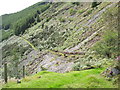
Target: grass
<point>76,79</point>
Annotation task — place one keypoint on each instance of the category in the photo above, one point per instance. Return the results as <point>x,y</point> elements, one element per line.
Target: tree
<point>38,18</point>
<point>108,45</point>
<point>38,12</point>
<point>95,3</point>
<point>75,3</point>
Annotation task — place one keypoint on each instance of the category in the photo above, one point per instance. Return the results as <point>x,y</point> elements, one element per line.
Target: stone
<point>18,81</point>
<point>39,77</point>
<point>115,71</point>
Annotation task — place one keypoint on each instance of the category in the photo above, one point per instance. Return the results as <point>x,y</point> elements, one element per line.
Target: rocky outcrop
<point>110,72</point>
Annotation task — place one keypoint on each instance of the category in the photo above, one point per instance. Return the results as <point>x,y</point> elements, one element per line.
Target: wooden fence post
<point>5,72</point>
<point>23,71</point>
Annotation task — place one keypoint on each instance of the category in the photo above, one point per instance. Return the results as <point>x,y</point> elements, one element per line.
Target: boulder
<point>115,71</point>
<point>18,81</point>
<point>110,72</point>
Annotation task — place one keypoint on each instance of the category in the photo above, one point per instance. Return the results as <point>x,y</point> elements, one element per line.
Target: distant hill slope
<point>9,19</point>
<point>23,19</point>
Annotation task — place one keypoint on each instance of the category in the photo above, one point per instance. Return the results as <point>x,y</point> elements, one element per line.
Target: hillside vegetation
<point>62,37</point>
<point>16,23</point>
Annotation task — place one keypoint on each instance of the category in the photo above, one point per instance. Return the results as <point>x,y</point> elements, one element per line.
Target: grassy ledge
<point>76,79</point>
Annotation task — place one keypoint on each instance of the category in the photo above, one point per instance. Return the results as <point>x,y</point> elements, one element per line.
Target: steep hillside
<point>16,23</point>
<point>65,39</point>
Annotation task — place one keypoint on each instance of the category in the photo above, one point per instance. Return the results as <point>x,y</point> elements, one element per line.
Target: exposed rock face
<point>110,72</point>
<point>46,61</point>
<point>115,71</point>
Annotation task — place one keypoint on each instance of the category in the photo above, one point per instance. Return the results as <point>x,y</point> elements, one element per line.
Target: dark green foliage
<point>16,52</point>
<point>6,27</point>
<point>21,25</point>
<point>95,4</point>
<point>11,50</point>
<point>49,37</point>
<point>6,34</point>
<point>75,3</point>
<point>61,19</point>
<point>108,45</point>
<point>48,19</point>
<point>72,11</point>
<point>38,18</point>
<point>0,27</point>
<point>88,13</point>
<point>38,12</point>
<point>22,20</point>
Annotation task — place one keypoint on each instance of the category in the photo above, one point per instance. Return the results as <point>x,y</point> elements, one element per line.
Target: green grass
<point>76,79</point>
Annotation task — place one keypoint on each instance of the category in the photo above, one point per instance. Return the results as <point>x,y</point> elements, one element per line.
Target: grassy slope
<point>76,79</point>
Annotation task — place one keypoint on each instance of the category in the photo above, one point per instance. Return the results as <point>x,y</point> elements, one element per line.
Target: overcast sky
<point>11,6</point>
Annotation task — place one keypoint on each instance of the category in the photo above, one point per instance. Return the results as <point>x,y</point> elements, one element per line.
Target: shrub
<point>72,11</point>
<point>108,45</point>
<point>95,4</point>
<point>80,11</point>
<point>38,18</point>
<point>6,34</point>
<point>43,68</point>
<point>61,19</point>
<point>88,12</point>
<point>76,3</point>
<point>70,19</point>
<point>76,66</point>
<point>48,19</point>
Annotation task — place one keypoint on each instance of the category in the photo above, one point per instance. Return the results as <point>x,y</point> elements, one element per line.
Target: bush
<point>76,66</point>
<point>72,11</point>
<point>48,19</point>
<point>38,18</point>
<point>108,45</point>
<point>95,4</point>
<point>70,19</point>
<point>76,3</point>
<point>88,12</point>
<point>6,34</point>
<point>62,20</point>
<point>80,11</point>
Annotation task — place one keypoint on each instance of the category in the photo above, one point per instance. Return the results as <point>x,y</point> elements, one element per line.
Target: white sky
<point>11,6</point>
